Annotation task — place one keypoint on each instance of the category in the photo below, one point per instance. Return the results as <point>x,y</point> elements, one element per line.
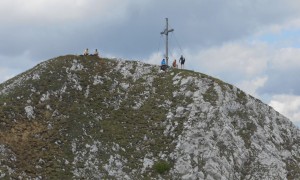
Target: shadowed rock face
<point>91,118</point>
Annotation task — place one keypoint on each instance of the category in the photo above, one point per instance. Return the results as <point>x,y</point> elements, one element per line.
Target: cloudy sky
<point>252,44</point>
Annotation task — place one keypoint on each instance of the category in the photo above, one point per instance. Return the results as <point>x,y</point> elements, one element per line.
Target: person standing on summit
<point>163,65</point>
<point>96,53</point>
<point>163,62</point>
<point>86,52</point>
<point>182,61</point>
<point>174,64</point>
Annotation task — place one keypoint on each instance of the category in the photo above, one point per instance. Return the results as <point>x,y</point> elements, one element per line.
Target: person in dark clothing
<point>182,61</point>
<point>96,53</point>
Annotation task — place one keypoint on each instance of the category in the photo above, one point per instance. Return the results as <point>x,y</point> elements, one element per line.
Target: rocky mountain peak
<point>84,117</point>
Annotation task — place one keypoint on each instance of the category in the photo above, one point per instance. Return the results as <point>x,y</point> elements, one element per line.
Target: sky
<point>252,44</point>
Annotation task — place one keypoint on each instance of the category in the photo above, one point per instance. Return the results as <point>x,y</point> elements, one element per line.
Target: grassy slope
<point>98,113</point>
<point>46,140</point>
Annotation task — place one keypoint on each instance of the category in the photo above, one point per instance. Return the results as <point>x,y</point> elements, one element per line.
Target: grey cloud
<point>131,29</point>
<point>197,24</point>
<point>282,82</point>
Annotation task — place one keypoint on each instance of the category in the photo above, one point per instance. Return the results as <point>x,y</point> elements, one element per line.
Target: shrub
<point>162,166</point>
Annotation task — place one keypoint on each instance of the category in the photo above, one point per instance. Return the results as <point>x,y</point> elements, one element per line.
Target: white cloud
<point>226,45</point>
<point>288,105</point>
<point>155,58</point>
<point>286,58</point>
<point>55,11</point>
<point>252,85</point>
<point>239,57</point>
<point>276,28</point>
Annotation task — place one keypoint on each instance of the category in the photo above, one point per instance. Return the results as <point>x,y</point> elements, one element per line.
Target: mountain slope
<point>86,117</point>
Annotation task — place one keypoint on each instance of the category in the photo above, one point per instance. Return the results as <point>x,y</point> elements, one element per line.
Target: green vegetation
<point>106,114</point>
<point>211,96</point>
<point>90,117</point>
<point>247,132</point>
<point>162,166</point>
<point>293,168</point>
<point>241,97</point>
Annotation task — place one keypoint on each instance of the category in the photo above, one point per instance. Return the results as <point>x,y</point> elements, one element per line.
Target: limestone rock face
<point>82,117</point>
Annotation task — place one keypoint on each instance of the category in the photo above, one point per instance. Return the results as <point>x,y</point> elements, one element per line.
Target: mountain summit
<point>84,117</point>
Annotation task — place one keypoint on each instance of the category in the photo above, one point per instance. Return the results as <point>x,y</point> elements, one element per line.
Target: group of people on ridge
<point>86,53</point>
<point>164,66</point>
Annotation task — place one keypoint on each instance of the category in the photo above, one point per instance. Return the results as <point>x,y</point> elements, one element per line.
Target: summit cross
<point>166,32</point>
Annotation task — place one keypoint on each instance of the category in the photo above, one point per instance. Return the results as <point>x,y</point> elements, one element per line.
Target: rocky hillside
<point>76,117</point>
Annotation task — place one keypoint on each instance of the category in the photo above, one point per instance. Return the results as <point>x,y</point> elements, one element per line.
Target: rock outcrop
<point>76,117</point>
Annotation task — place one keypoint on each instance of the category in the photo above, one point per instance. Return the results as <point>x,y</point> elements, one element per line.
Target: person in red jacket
<point>175,64</point>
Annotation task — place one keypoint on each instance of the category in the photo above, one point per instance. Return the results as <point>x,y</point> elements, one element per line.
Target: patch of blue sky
<point>297,124</point>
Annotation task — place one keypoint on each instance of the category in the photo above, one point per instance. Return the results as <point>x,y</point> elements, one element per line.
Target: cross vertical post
<point>166,32</point>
